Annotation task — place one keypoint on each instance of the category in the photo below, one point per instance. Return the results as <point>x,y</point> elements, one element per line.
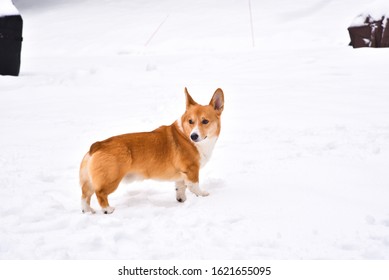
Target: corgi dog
<point>170,153</point>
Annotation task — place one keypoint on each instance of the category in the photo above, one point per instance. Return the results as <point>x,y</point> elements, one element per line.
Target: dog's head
<point>202,122</point>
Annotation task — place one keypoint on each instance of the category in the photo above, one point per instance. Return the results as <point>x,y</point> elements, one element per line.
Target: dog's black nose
<point>194,136</point>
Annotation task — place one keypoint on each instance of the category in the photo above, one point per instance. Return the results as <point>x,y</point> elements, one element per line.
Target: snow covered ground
<point>7,8</point>
<point>300,170</point>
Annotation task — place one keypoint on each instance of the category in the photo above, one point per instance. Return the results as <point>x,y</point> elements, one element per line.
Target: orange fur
<point>167,153</point>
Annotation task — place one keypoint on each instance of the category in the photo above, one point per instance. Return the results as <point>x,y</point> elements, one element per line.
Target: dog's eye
<point>191,122</point>
<point>205,121</point>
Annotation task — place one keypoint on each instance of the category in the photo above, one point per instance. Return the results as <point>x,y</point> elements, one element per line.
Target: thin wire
<point>156,31</point>
<point>251,24</point>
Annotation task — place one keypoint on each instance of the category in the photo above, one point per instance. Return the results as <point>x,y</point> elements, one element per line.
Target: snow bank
<point>375,12</point>
<point>7,8</point>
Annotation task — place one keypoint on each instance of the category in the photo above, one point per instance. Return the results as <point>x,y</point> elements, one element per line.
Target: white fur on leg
<point>85,207</point>
<point>180,191</point>
<point>194,188</point>
<point>108,210</point>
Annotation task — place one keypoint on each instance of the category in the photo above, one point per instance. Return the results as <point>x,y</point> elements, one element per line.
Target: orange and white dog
<point>171,153</point>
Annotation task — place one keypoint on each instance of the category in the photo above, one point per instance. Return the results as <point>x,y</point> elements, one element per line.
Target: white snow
<point>359,20</point>
<point>376,11</point>
<point>300,170</point>
<point>7,8</point>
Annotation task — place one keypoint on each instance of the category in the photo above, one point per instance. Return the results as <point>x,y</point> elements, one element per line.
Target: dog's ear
<point>217,101</point>
<point>189,99</point>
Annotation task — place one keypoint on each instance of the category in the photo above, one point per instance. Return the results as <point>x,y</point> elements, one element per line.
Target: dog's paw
<point>85,207</point>
<point>204,193</point>
<point>108,210</point>
<point>181,199</point>
<point>88,210</point>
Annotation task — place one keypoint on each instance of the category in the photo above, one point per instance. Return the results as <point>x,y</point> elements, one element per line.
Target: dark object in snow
<point>369,32</point>
<point>11,27</point>
<point>385,35</point>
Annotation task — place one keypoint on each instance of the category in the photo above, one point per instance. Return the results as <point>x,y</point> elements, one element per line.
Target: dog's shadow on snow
<point>213,184</point>
<point>163,197</point>
<point>147,197</point>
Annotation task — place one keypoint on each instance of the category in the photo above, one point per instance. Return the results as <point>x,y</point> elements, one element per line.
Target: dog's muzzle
<point>196,138</point>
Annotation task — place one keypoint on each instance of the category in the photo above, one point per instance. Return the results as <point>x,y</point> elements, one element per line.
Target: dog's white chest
<point>205,149</point>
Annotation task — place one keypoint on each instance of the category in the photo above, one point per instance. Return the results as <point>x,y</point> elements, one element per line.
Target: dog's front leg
<point>180,191</point>
<point>192,181</point>
<point>194,188</point>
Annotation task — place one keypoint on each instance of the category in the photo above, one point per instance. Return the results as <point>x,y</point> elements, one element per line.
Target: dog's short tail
<point>95,146</point>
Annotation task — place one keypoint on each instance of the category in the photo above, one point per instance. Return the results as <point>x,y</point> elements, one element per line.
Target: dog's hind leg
<point>104,186</point>
<point>85,199</point>
<point>86,186</point>
<point>102,197</point>
<point>87,192</point>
